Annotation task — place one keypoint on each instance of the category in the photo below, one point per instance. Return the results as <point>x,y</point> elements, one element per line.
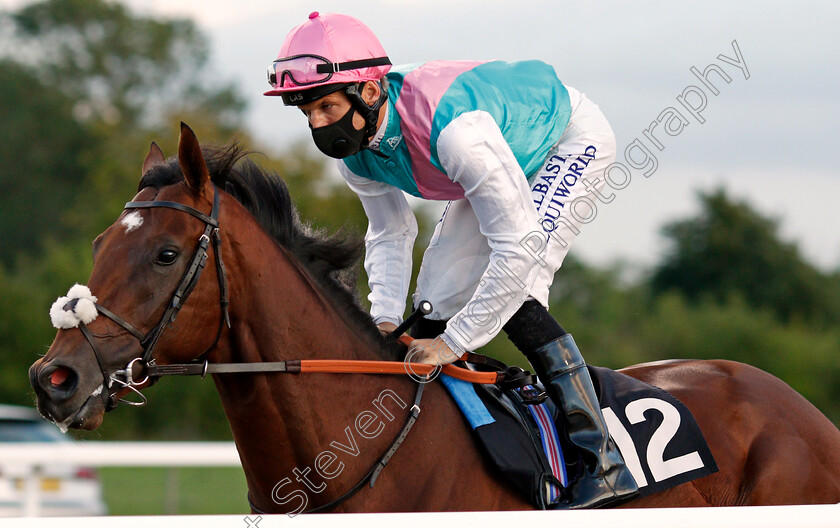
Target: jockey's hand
<point>386,328</point>
<point>430,352</point>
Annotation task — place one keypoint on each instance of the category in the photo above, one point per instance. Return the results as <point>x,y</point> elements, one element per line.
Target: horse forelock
<point>331,259</point>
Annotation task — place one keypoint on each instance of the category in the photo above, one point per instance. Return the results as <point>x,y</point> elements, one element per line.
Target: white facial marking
<point>132,221</point>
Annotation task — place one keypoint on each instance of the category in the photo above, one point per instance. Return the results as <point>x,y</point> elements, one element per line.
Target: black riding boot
<point>606,479</point>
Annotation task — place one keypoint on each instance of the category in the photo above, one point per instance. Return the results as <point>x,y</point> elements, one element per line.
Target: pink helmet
<point>323,54</point>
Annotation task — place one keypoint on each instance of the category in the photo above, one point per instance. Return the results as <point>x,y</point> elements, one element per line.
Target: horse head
<point>115,331</point>
<point>146,265</point>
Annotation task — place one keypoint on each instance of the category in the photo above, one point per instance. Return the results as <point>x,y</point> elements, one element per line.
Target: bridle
<point>145,363</point>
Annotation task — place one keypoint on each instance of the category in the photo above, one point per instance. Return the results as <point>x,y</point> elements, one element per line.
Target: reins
<point>326,366</point>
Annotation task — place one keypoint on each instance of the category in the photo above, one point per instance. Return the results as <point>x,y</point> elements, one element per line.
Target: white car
<point>65,490</point>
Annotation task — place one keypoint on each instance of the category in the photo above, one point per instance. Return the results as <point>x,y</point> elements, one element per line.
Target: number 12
<point>660,469</point>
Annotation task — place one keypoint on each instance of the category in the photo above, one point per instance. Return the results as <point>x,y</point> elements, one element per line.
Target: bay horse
<point>306,439</point>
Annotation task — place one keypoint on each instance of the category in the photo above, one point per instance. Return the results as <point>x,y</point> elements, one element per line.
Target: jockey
<point>510,148</point>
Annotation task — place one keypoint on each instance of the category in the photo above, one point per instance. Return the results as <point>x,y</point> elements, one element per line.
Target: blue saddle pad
<point>521,441</point>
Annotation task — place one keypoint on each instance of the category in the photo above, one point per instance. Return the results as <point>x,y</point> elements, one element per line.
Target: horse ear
<point>154,157</point>
<point>192,161</point>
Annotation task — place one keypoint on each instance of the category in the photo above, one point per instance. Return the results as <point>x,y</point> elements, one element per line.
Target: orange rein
<point>349,366</point>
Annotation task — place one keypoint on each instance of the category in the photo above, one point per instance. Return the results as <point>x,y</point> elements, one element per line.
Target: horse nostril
<point>59,376</point>
<point>60,382</point>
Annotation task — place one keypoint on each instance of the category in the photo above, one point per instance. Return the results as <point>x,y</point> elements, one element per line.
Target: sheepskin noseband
<point>76,307</point>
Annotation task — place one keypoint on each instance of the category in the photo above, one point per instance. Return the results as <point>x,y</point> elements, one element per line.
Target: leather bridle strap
<point>194,269</point>
<point>380,464</point>
<point>210,220</point>
<point>341,366</point>
<point>120,321</point>
<point>192,274</point>
<point>326,366</point>
<point>89,336</point>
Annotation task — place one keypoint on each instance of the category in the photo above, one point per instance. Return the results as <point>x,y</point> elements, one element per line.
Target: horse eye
<point>166,257</point>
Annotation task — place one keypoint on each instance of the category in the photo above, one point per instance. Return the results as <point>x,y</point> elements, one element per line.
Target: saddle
<point>523,436</point>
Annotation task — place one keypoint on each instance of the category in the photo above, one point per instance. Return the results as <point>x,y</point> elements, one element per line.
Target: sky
<point>770,135</point>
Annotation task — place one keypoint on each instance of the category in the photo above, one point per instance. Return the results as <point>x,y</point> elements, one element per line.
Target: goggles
<point>306,70</point>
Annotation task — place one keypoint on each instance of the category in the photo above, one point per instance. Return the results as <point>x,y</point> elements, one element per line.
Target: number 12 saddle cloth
<point>658,437</point>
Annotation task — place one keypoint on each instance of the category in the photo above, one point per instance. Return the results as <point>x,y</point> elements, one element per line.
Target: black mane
<point>331,260</point>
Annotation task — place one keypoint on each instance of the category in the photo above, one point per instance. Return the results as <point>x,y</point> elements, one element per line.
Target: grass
<point>174,491</point>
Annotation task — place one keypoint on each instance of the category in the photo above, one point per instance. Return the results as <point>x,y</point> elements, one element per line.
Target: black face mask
<point>339,139</point>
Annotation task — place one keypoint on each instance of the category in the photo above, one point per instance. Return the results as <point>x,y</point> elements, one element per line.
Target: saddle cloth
<point>658,437</point>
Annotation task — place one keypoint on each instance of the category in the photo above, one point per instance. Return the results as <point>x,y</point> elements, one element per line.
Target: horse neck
<point>281,422</point>
<point>281,310</point>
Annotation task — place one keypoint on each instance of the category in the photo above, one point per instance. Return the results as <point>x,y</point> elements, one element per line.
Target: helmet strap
<point>370,113</point>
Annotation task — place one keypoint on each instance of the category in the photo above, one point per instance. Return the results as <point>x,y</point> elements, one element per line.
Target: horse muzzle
<point>60,399</point>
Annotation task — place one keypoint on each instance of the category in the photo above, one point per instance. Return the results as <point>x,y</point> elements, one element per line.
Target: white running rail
<point>25,460</point>
<point>824,516</point>
<point>28,457</point>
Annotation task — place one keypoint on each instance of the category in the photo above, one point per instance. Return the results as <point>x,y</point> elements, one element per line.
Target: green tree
<point>42,147</point>
<point>86,85</point>
<point>801,355</point>
<point>730,249</point>
<point>107,136</point>
<point>119,68</point>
